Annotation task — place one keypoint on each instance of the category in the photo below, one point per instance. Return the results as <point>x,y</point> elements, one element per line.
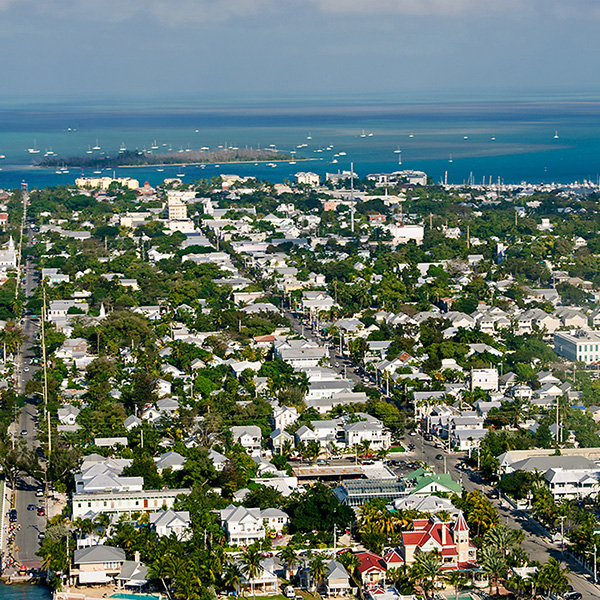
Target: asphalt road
<point>31,525</point>
<point>340,364</point>
<point>536,544</point>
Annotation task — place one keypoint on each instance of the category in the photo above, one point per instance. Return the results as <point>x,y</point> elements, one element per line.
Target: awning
<point>94,577</point>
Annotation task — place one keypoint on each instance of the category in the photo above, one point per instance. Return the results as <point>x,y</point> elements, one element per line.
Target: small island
<point>137,158</point>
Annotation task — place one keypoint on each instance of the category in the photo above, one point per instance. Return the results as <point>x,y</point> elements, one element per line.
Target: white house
<point>249,437</point>
<point>168,522</point>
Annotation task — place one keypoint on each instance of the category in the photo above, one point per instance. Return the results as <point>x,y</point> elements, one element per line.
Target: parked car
<point>41,511</point>
<point>573,596</point>
<point>31,507</point>
<point>12,515</point>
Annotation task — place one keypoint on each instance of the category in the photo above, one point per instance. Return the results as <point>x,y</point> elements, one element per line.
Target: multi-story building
<point>578,345</point>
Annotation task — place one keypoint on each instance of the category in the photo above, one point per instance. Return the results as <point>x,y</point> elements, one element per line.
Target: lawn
<point>397,449</point>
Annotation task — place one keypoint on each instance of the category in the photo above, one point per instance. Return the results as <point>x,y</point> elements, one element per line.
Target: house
<point>449,539</point>
<point>218,460</point>
<point>264,584</point>
<point>97,564</point>
<point>370,430</point>
<point>169,522</point>
<point>372,569</point>
<point>249,437</point>
<point>67,414</point>
<point>484,379</point>
<point>169,460</point>
<point>337,580</point>
<point>432,484</point>
<point>283,416</point>
<point>244,526</point>
<point>133,574</point>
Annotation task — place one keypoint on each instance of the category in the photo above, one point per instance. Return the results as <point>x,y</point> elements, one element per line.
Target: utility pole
<point>562,533</point>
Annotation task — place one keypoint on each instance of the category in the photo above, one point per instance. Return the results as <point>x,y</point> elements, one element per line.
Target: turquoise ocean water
<point>535,140</point>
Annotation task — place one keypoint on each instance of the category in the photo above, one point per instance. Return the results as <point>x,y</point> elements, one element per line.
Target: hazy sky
<point>261,48</point>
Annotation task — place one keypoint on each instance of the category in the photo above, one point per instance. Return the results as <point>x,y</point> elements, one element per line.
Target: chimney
<point>136,556</point>
<point>444,529</point>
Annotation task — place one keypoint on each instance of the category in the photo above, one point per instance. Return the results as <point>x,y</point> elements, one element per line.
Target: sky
<point>260,49</point>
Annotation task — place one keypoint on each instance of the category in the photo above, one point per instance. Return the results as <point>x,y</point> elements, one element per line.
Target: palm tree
<point>289,559</point>
<point>351,563</point>
<point>504,538</point>
<point>427,570</point>
<point>457,580</point>
<point>518,584</point>
<point>553,577</point>
<point>494,565</point>
<point>251,567</point>
<point>161,569</point>
<point>317,569</point>
<point>232,576</point>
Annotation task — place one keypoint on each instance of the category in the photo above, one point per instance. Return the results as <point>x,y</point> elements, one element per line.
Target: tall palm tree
<point>161,569</point>
<point>289,558</point>
<point>351,563</point>
<point>317,569</point>
<point>553,577</point>
<point>232,576</point>
<point>494,565</point>
<point>427,571</point>
<point>251,567</point>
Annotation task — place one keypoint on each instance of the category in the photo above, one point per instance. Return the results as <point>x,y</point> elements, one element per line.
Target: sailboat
<point>123,148</point>
<point>89,150</point>
<point>411,134</point>
<point>450,159</point>
<point>397,151</point>
<point>309,136</point>
<point>33,150</point>
<point>97,146</point>
<point>154,145</point>
<point>556,135</point>
<point>363,134</point>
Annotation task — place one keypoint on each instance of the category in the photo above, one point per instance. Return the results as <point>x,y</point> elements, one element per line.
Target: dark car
<point>31,507</point>
<point>573,596</point>
<point>12,515</point>
<point>439,457</point>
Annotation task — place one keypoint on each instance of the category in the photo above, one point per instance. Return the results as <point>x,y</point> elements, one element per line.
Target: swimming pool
<point>126,596</point>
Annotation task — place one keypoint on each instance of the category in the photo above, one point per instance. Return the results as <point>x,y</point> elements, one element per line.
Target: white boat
<point>154,145</point>
<point>556,135</point>
<point>33,150</point>
<point>89,150</point>
<point>2,156</point>
<point>450,159</point>
<point>123,148</point>
<point>334,161</point>
<point>370,135</point>
<point>397,151</point>
<point>292,162</point>
<point>309,136</point>
<point>493,138</point>
<point>160,170</point>
<point>411,134</point>
<point>97,172</point>
<point>97,146</point>
<point>363,134</point>
<point>205,148</point>
<point>466,137</point>
<point>342,154</point>
<point>180,174</point>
